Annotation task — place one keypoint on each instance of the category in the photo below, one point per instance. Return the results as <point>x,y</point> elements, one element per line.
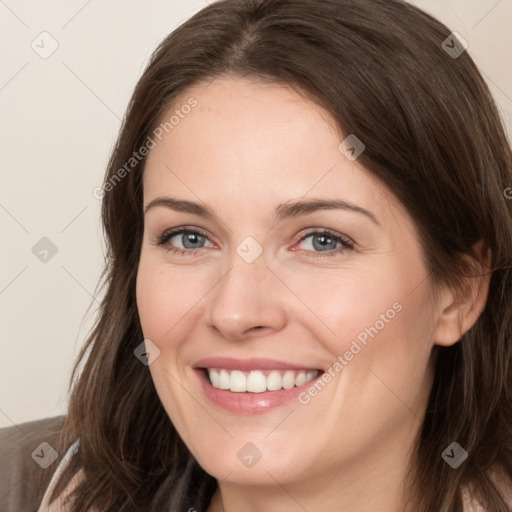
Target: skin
<point>243,150</point>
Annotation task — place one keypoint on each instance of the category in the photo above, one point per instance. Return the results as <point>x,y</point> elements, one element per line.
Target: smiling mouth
<point>258,381</point>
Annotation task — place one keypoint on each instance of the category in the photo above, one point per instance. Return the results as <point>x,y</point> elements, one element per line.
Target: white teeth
<point>300,379</point>
<point>311,375</point>
<point>274,381</point>
<point>237,382</point>
<point>256,381</point>
<point>224,380</point>
<point>289,380</point>
<point>215,378</point>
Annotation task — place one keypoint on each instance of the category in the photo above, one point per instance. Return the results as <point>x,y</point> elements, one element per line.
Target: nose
<point>248,301</point>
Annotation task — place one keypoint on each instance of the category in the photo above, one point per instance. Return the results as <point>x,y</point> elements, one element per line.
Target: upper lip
<point>229,363</point>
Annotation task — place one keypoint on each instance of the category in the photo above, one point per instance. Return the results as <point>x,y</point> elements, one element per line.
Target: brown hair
<point>433,135</point>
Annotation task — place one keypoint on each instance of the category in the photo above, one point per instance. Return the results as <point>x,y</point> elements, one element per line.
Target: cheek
<point>350,304</point>
<point>151,302</point>
<point>161,302</point>
<point>373,318</point>
<point>165,298</point>
<point>385,346</point>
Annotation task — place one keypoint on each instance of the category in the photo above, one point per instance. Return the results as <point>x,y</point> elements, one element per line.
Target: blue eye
<point>189,238</point>
<point>324,242</point>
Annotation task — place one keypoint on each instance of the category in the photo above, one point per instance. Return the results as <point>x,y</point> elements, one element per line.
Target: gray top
<point>27,454</point>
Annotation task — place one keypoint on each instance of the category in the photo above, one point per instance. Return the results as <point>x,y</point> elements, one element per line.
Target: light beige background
<point>59,119</point>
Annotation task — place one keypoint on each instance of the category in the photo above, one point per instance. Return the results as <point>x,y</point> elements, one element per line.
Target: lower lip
<point>250,403</point>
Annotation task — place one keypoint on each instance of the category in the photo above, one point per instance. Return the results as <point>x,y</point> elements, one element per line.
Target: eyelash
<point>346,243</point>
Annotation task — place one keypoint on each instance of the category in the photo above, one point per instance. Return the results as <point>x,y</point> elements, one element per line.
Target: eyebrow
<point>283,211</point>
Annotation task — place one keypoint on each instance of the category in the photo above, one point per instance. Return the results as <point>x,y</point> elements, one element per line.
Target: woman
<point>340,336</point>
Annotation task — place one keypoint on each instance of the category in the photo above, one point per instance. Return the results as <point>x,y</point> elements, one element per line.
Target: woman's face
<point>265,294</point>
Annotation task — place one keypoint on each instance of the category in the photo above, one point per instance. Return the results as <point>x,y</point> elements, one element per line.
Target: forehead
<point>253,144</point>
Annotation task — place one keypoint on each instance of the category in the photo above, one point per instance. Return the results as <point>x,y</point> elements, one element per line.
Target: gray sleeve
<point>27,453</point>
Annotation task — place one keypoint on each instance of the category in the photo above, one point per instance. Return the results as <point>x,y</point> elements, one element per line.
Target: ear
<point>460,309</point>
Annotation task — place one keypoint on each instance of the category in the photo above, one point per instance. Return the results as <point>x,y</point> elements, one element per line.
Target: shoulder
<point>29,457</point>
